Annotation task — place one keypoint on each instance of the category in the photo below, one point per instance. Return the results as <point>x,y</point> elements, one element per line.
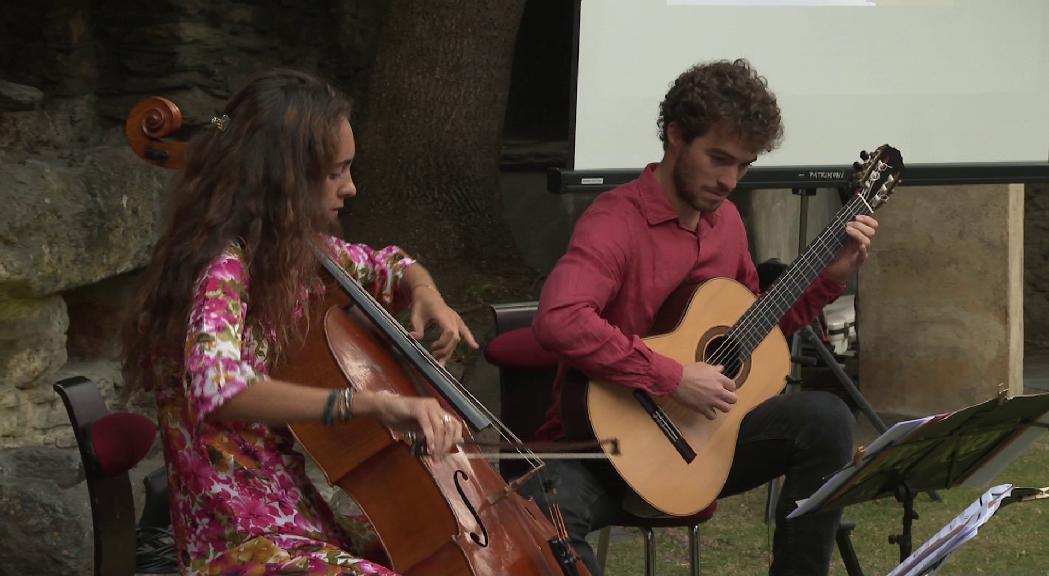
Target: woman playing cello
<point>231,278</point>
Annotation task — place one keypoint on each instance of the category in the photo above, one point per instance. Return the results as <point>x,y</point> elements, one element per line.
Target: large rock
<point>54,124</point>
<point>18,96</point>
<point>76,219</point>
<point>26,318</point>
<point>45,518</point>
<point>32,351</point>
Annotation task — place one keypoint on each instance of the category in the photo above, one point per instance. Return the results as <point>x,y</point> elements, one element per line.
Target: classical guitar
<point>674,458</point>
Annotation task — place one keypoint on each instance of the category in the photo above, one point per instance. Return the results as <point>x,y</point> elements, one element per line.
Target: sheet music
<point>897,431</point>
<point>889,437</point>
<point>990,470</point>
<point>960,530</point>
<point>971,445</point>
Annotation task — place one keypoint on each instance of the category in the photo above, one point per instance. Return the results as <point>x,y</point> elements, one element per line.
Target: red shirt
<point>627,255</point>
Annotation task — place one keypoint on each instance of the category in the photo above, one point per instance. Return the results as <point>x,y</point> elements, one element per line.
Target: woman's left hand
<point>430,309</point>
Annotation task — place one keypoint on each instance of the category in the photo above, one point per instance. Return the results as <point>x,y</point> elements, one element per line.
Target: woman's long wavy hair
<point>257,182</point>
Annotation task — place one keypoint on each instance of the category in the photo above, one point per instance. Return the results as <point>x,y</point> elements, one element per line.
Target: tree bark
<point>431,133</point>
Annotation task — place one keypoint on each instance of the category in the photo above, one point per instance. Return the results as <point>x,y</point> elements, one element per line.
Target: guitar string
<point>798,277</point>
<point>832,233</point>
<point>754,326</point>
<point>756,322</point>
<point>749,330</point>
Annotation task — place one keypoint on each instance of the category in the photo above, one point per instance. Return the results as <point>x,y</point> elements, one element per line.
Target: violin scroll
<point>147,124</point>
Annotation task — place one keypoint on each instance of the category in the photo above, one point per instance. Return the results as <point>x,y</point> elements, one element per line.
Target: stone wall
<point>79,212</point>
<point>940,307</point>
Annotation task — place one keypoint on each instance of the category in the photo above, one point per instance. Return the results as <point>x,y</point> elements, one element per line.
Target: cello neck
<point>419,357</point>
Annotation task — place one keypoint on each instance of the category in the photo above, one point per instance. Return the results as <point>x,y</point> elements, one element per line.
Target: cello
<point>453,516</point>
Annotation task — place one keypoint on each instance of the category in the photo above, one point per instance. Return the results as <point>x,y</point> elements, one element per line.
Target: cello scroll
<point>147,124</point>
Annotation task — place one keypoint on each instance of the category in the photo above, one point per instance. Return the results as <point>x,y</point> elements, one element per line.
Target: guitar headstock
<point>877,175</point>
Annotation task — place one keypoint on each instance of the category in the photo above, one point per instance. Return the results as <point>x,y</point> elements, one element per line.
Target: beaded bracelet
<point>328,417</point>
<point>343,406</point>
<point>337,408</point>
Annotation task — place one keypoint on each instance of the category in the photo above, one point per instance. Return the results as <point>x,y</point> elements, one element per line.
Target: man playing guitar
<point>637,245</point>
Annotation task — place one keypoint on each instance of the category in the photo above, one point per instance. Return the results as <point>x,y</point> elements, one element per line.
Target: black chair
<point>110,444</point>
<point>526,372</point>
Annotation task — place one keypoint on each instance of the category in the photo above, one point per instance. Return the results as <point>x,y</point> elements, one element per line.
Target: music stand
<point>794,381</point>
<point>808,334</point>
<point>968,446</point>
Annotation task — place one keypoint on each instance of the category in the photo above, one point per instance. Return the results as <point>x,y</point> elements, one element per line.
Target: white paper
<point>888,438</point>
<point>959,531</point>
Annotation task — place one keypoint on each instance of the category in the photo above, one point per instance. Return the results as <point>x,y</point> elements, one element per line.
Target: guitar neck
<point>774,304</point>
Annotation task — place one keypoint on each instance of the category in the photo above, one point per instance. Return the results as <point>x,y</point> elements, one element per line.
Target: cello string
<point>404,335</point>
<point>352,285</point>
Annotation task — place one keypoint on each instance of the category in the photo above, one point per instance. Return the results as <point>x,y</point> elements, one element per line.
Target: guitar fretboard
<point>763,315</point>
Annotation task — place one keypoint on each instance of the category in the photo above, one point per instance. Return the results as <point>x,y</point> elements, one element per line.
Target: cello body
<point>449,517</point>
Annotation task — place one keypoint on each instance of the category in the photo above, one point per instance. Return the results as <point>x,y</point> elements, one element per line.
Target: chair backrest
<point>112,505</point>
<point>526,372</point>
<point>512,315</point>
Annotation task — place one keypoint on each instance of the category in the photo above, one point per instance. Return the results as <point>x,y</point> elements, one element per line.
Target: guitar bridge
<point>663,421</point>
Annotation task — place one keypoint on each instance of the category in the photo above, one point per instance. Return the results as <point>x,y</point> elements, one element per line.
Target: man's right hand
<point>705,389</point>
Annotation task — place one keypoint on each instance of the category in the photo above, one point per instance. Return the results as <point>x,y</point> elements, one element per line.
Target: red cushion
<point>519,349</point>
<point>121,440</point>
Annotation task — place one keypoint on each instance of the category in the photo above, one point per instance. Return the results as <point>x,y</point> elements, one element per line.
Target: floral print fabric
<point>241,501</point>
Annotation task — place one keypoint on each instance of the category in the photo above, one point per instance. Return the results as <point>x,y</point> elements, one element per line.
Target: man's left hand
<point>429,309</point>
<point>860,231</point>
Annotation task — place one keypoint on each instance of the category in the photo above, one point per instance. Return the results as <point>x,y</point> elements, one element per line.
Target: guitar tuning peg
<point>857,166</point>
<point>864,155</point>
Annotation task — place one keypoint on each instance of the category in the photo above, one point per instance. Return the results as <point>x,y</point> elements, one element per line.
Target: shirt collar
<point>655,206</point>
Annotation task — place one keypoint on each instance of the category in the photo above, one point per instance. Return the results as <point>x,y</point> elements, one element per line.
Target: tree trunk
<point>430,138</point>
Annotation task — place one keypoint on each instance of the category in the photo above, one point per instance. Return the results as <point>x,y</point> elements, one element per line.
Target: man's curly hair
<point>723,92</point>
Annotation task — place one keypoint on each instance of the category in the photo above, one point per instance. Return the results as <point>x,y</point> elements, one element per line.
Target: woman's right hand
<point>442,431</point>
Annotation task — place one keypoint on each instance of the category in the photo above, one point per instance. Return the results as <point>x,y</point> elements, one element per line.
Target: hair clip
<point>220,122</point>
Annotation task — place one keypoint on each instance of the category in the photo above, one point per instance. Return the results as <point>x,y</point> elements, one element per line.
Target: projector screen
<point>945,81</point>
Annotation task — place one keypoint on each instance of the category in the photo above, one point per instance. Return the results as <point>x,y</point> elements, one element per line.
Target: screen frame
<point>591,181</point>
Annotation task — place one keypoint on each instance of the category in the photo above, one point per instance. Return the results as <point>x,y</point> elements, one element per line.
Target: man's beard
<point>684,183</point>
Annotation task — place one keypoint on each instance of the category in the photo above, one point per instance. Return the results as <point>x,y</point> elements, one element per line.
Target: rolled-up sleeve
<point>570,318</point>
<point>215,367</point>
<point>380,272</point>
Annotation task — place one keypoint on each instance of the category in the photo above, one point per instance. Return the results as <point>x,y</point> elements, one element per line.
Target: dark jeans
<point>805,436</point>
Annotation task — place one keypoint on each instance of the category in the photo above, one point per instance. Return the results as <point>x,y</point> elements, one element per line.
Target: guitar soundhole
<point>724,351</point>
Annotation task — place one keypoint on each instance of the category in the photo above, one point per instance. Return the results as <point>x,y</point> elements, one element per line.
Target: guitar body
<point>648,460</point>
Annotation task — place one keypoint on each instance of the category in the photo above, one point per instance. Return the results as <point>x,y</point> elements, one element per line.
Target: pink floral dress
<point>241,501</point>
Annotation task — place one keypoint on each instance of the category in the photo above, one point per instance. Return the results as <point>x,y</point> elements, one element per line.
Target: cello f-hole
<point>469,506</point>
